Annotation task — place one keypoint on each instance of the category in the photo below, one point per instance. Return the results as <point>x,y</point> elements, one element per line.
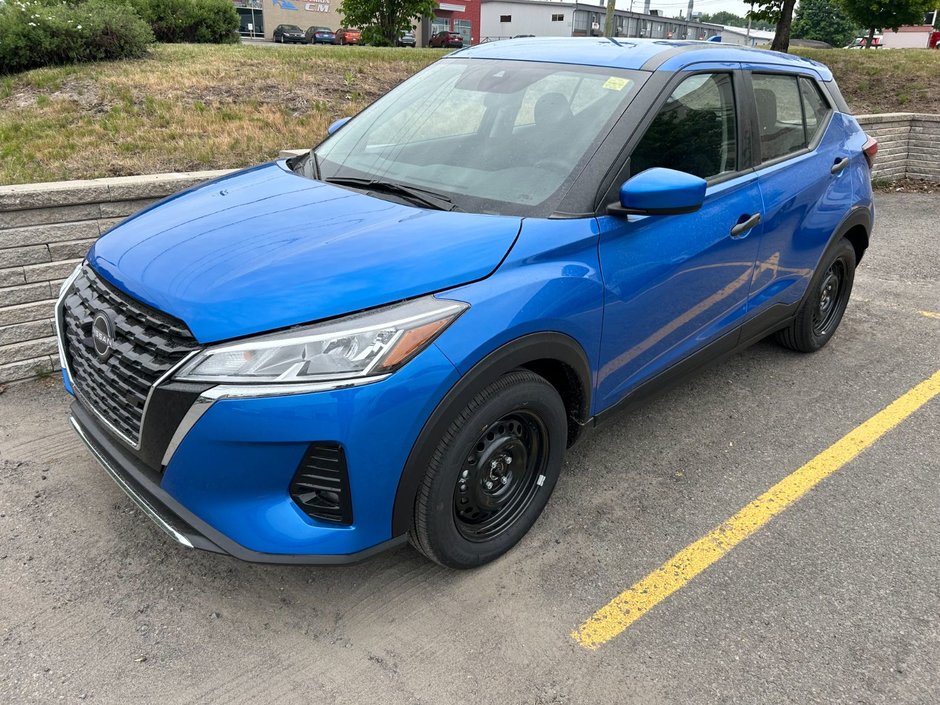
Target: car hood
<point>265,248</point>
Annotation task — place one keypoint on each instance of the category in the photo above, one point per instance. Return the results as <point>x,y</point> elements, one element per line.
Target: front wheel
<point>825,302</point>
<point>492,472</point>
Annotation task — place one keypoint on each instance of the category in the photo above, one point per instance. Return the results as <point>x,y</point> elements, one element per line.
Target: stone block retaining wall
<point>45,230</point>
<point>908,145</point>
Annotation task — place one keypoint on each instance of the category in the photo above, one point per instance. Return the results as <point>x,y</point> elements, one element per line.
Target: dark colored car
<point>407,40</point>
<point>399,334</point>
<point>446,40</point>
<point>345,35</point>
<point>319,35</point>
<point>289,33</point>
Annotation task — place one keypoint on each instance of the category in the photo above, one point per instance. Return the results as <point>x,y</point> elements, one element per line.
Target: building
<point>460,16</point>
<point>502,19</point>
<point>910,37</point>
<point>745,37</point>
<point>260,17</point>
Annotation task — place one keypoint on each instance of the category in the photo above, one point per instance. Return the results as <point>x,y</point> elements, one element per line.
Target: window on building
<point>558,18</point>
<point>694,131</point>
<point>505,18</point>
<point>465,29</point>
<point>581,22</point>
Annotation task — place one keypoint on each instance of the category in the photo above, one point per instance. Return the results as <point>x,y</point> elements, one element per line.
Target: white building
<point>502,19</point>
<point>741,36</point>
<point>916,37</point>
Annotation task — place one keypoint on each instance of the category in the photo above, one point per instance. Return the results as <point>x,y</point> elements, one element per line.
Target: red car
<point>345,35</point>
<point>446,40</point>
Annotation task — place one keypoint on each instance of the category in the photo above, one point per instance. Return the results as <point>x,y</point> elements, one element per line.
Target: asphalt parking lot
<point>835,600</point>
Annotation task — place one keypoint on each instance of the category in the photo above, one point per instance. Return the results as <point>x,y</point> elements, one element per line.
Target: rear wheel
<point>492,472</point>
<point>825,302</point>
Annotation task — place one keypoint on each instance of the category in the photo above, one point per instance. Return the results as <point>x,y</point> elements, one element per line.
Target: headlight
<point>364,345</point>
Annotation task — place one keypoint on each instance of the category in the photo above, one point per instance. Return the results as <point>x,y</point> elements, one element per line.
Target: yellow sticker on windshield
<point>614,83</point>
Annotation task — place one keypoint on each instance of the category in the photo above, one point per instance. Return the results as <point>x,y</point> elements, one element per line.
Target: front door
<point>675,283</point>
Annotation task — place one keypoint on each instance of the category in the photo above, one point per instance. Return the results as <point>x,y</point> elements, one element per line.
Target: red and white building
<point>461,16</point>
<point>911,37</point>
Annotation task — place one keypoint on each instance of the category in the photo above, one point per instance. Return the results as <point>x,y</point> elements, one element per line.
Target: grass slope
<point>191,107</point>
<point>884,80</point>
<point>186,107</point>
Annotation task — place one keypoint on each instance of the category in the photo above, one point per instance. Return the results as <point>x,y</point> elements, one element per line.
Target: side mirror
<point>336,125</point>
<point>660,192</point>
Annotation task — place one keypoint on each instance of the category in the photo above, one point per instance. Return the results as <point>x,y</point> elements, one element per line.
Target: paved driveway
<point>836,599</point>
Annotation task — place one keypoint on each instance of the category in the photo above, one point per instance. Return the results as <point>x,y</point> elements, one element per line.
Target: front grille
<point>321,484</point>
<point>147,344</point>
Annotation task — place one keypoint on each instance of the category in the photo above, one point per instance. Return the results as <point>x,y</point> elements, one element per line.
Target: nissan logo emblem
<point>102,334</point>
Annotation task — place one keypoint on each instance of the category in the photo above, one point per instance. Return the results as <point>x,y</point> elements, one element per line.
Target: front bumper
<point>177,521</point>
<point>225,488</point>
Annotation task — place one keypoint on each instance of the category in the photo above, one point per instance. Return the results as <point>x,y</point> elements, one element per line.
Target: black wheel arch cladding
<point>548,354</point>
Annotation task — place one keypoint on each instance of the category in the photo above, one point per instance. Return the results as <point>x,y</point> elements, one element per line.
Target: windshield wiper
<point>415,194</point>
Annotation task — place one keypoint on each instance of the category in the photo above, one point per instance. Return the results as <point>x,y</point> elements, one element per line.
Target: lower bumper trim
<point>138,499</point>
<point>177,521</point>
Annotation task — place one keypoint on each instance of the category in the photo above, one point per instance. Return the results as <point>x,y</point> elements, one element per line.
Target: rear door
<point>803,152</point>
<point>676,283</point>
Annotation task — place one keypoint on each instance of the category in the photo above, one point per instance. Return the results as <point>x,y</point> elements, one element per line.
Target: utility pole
<point>609,19</point>
<point>747,36</point>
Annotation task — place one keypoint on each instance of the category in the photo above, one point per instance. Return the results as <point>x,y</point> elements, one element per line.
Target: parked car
<point>345,35</point>
<point>406,40</point>
<point>289,33</point>
<point>862,43</point>
<point>446,40</point>
<point>398,335</point>
<point>319,35</point>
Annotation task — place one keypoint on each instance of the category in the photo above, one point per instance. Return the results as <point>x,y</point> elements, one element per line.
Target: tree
<point>874,14</point>
<point>383,21</point>
<point>733,20</point>
<point>780,12</point>
<point>824,21</point>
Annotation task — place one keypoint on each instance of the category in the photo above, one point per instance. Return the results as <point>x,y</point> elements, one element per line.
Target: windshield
<point>291,28</point>
<point>493,136</point>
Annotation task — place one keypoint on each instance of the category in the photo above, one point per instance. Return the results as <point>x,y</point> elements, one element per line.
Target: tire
<point>824,303</point>
<point>511,436</point>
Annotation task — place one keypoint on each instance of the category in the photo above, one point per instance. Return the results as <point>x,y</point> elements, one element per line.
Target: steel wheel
<point>500,476</point>
<point>493,461</point>
<point>825,301</point>
<point>831,303</point>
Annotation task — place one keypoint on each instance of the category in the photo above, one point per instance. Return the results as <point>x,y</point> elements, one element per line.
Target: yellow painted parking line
<point>930,314</point>
<point>633,603</point>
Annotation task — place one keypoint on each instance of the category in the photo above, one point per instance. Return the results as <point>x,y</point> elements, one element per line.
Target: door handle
<point>742,228</point>
<point>839,165</point>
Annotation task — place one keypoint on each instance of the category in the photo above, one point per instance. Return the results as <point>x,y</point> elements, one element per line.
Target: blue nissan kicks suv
<point>398,334</point>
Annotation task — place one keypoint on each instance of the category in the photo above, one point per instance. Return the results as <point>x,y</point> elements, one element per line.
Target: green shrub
<point>35,34</point>
<point>199,21</point>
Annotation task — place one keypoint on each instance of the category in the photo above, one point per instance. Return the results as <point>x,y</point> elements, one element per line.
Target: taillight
<point>870,149</point>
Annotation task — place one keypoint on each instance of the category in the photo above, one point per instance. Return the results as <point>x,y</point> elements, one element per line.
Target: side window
<point>694,132</point>
<point>814,107</point>
<point>779,115</point>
